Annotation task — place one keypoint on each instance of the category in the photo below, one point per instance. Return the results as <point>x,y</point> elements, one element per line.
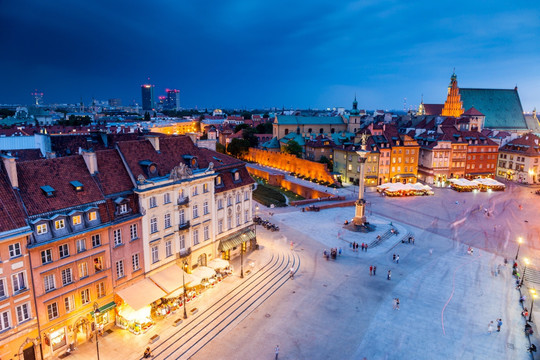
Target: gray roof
<point>501,107</point>
<point>309,120</point>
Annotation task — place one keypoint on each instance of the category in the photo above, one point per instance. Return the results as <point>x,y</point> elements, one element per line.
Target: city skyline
<point>245,55</point>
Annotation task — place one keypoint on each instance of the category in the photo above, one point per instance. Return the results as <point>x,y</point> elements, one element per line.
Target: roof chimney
<point>90,159</point>
<point>154,140</point>
<point>11,168</point>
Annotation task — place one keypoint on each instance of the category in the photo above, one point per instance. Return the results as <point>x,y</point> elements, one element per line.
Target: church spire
<point>453,106</point>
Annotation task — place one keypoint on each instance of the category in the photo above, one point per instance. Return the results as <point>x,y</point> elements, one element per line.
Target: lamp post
<point>520,240</point>
<point>533,296</point>
<point>242,259</point>
<point>96,313</point>
<point>524,270</point>
<point>184,284</point>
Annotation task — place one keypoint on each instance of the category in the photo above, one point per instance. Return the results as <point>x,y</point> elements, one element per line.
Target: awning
<point>235,240</point>
<point>170,279</point>
<point>203,272</point>
<point>405,176</point>
<point>218,263</point>
<point>105,308</point>
<point>141,294</point>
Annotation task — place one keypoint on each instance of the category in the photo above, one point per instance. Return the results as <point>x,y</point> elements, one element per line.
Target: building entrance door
<point>29,353</point>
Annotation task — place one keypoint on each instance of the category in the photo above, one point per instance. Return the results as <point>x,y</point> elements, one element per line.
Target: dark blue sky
<point>260,53</point>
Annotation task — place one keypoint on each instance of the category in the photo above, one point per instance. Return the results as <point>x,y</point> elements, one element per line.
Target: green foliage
<point>266,115</point>
<point>246,115</point>
<point>267,196</point>
<point>220,148</point>
<point>75,120</point>
<point>6,112</point>
<point>239,127</point>
<point>147,116</point>
<point>238,147</point>
<point>249,135</point>
<point>264,128</point>
<point>329,163</point>
<point>293,148</point>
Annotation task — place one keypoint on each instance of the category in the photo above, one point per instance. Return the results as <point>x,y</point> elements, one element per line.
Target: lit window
<point>98,264</point>
<point>205,188</point>
<point>59,224</point>
<point>42,229</point>
<point>83,270</point>
<point>92,216</point>
<point>100,289</point>
<point>77,220</point>
<point>69,303</point>
<point>85,296</point>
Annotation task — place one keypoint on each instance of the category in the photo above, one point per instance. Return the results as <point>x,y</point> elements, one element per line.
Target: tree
<point>264,128</point>
<point>147,116</point>
<point>220,148</point>
<point>249,135</point>
<point>266,115</point>
<point>293,148</point>
<point>238,147</point>
<point>246,115</point>
<point>328,162</point>
<point>239,127</point>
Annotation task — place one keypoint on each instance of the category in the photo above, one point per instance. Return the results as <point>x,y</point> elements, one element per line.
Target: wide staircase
<point>380,238</point>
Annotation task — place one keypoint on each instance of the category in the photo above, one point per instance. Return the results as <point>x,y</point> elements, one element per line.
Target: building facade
<point>519,160</point>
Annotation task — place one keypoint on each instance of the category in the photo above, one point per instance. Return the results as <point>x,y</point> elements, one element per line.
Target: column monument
<point>360,205</point>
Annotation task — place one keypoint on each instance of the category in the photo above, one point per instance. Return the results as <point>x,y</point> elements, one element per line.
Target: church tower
<point>354,118</point>
<point>453,106</point>
<point>421,109</point>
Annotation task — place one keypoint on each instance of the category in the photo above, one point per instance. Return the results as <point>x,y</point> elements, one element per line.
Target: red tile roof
<point>473,112</point>
<point>12,215</point>
<point>24,154</point>
<point>433,109</point>
<point>528,144</point>
<point>112,175</point>
<point>56,173</point>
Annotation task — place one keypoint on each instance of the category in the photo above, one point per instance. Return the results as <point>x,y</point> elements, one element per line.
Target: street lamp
<point>520,240</point>
<point>524,270</point>
<point>242,257</point>
<point>96,314</point>
<point>533,296</point>
<point>184,284</point>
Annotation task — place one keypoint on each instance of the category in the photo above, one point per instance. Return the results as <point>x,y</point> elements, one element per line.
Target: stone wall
<point>290,163</point>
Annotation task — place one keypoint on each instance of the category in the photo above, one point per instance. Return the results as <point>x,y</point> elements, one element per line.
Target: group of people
<point>395,258</point>
<point>333,252</point>
<point>490,326</point>
<point>396,304</point>
<point>354,245</point>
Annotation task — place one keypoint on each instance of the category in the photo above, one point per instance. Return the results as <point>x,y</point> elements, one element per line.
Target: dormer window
<point>149,168</point>
<point>236,175</point>
<point>41,229</point>
<point>77,186</point>
<point>191,161</point>
<point>77,220</point>
<point>59,224</point>
<point>123,208</point>
<point>48,190</point>
<point>219,181</point>
<point>92,215</point>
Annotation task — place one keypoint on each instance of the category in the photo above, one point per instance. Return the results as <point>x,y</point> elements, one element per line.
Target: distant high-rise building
<point>38,97</point>
<point>115,102</point>
<point>148,97</point>
<point>173,100</point>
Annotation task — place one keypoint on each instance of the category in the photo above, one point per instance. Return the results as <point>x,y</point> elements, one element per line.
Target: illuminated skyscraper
<point>148,97</point>
<point>173,100</point>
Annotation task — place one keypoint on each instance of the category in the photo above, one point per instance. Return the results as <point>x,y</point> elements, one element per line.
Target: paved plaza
<point>334,309</point>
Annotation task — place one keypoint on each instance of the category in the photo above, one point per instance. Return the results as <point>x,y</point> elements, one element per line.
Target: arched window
<point>332,130</point>
<point>321,130</point>
<point>286,131</point>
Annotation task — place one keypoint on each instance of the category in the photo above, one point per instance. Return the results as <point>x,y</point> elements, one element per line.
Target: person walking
<point>370,270</point>
<point>499,324</point>
<point>277,351</point>
<point>394,304</point>
<point>389,276</point>
<point>365,247</point>
<point>397,259</point>
<point>394,258</point>
<point>490,328</point>
<point>374,270</point>
<point>397,303</point>
<point>362,246</point>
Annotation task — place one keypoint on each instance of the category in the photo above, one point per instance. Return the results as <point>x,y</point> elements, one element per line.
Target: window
<point>206,233</point>
<point>83,270</point>
<point>167,221</point>
<point>123,208</point>
<point>120,269</point>
<point>246,216</point>
<point>237,219</point>
<point>182,242</point>
<point>67,276</point>
<point>195,237</point>
<point>195,211</point>
<point>246,195</point>
<point>81,245</point>
<point>155,254</point>
<point>152,202</point>
<point>100,289</point>
<point>14,250</point>
<point>85,296</point>
<point>46,256</point>
<point>19,281</point>
<point>3,288</point>
<point>182,217</point>
<point>153,225</point>
<point>229,222</point>
<point>77,219</point>
<point>168,248</point>
<point>194,191</point>
<point>135,264</point>
<point>42,229</point>
<point>49,283</point>
<point>92,215</point>
<point>117,234</point>
<point>59,224</point>
<point>205,188</point>
<point>219,182</point>
<point>69,303</point>
<point>5,322</point>
<point>98,264</point>
<point>96,240</point>
<point>166,198</point>
<point>229,200</point>
<point>63,250</point>
<point>133,231</point>
<point>52,311</point>
<point>220,204</point>
<point>236,176</point>
<point>205,208</point>
<point>220,226</point>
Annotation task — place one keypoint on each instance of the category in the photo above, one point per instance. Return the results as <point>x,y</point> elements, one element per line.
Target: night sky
<point>260,53</point>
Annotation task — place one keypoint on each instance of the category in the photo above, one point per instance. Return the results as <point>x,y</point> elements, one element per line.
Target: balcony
<point>183,201</point>
<point>183,253</point>
<point>183,226</point>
